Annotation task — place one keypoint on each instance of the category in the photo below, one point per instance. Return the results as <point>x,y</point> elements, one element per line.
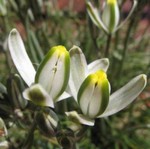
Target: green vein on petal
<point>95,17</point>
<point>53,72</point>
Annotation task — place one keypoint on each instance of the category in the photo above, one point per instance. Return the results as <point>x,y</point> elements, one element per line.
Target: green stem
<point>29,139</point>
<point>81,133</point>
<point>130,26</point>
<point>106,54</point>
<point>93,32</point>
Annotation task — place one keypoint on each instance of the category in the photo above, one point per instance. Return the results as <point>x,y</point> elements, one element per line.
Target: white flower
<point>52,75</point>
<point>79,69</point>
<point>110,17</point>
<point>90,88</point>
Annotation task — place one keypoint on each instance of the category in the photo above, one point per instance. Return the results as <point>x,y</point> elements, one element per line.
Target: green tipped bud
<point>66,138</point>
<point>47,123</point>
<point>53,72</point>
<point>93,95</point>
<point>110,15</point>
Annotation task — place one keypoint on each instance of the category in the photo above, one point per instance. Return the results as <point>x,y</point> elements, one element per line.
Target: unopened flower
<point>47,122</point>
<point>93,91</point>
<point>52,75</point>
<point>110,17</point>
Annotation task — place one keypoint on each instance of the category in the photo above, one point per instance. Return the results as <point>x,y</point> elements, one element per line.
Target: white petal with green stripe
<point>111,15</point>
<point>129,14</point>
<point>93,95</point>
<point>78,69</point>
<point>20,57</point>
<point>38,96</point>
<point>95,16</point>
<point>125,95</point>
<point>53,72</point>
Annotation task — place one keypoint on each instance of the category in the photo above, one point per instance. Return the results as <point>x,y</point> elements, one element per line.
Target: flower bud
<point>47,123</point>
<point>66,138</point>
<point>53,72</point>
<point>110,15</point>
<point>93,95</point>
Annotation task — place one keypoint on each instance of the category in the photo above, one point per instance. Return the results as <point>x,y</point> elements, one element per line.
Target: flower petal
<point>20,57</point>
<point>95,17</point>
<point>100,64</point>
<point>38,96</point>
<point>63,96</point>
<point>130,13</point>
<point>125,95</point>
<point>110,15</point>
<point>53,72</point>
<point>78,69</point>
<point>79,118</point>
<point>93,95</point>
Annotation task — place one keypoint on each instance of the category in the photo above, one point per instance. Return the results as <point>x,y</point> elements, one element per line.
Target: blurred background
<point>46,23</point>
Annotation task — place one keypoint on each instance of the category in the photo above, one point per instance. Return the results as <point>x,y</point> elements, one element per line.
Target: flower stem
<point>106,54</point>
<point>29,139</point>
<point>130,26</point>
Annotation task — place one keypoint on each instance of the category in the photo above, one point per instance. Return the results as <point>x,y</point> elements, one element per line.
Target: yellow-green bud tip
<point>111,2</point>
<point>99,76</point>
<point>60,49</point>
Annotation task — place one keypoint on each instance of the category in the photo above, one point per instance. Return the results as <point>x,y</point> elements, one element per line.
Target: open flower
<point>51,78</point>
<point>79,69</point>
<point>110,17</point>
<point>93,91</point>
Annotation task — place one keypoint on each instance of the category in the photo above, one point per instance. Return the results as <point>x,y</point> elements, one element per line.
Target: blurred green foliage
<point>42,25</point>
